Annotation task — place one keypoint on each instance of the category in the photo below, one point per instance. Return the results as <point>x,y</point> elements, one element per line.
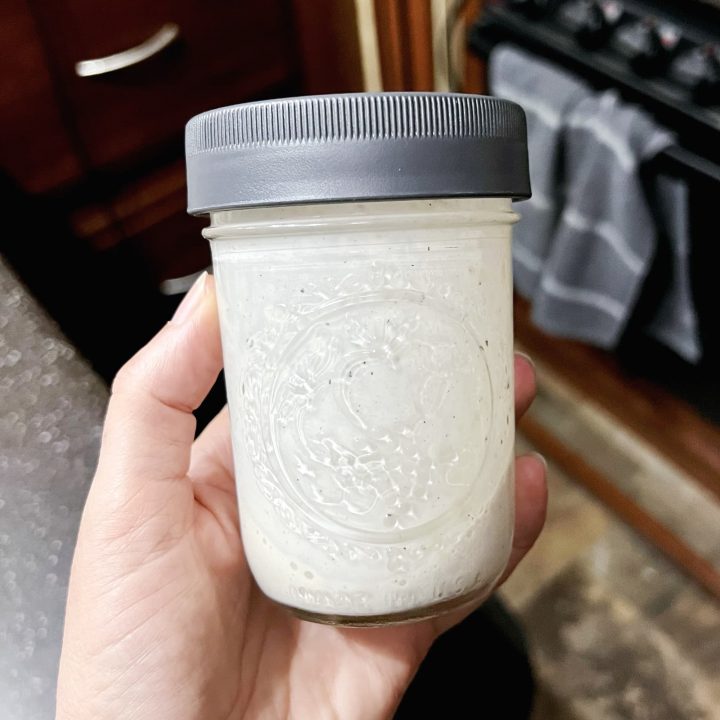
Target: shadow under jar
<point>361,248</point>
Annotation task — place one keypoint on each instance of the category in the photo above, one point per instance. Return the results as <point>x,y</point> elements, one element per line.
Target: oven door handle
<point>679,158</point>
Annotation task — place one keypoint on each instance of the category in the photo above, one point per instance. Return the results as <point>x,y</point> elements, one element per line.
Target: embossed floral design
<point>377,407</point>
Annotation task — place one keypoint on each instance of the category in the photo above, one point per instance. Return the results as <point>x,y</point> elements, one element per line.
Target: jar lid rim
<point>352,147</point>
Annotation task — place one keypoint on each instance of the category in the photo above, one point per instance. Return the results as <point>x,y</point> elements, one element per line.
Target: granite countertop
<point>51,411</point>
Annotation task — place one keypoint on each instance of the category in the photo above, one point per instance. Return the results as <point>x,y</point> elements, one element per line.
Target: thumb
<point>150,426</point>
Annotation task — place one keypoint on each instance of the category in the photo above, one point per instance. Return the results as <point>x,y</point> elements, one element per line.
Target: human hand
<point>164,620</point>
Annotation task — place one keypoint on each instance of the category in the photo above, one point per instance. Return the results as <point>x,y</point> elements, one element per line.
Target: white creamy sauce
<point>369,377</point>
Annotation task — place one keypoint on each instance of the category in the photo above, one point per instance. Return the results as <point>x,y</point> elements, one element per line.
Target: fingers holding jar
<point>530,473</point>
<point>531,496</point>
<point>525,385</point>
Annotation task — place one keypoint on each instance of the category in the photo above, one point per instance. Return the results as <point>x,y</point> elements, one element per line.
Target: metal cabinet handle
<point>180,285</point>
<point>164,37</point>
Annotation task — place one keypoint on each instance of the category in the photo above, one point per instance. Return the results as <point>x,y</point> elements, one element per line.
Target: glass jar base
<point>396,618</point>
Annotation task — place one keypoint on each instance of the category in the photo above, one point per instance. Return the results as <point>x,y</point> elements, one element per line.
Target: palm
<point>281,666</point>
<point>163,617</point>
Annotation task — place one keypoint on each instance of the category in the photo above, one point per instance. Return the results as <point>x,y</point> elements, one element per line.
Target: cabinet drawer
<point>35,149</point>
<point>212,52</point>
<point>149,218</point>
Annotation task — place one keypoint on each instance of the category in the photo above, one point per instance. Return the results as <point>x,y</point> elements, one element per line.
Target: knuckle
<point>129,376</point>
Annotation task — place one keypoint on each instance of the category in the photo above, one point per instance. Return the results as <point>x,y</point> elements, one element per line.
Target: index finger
<point>149,428</point>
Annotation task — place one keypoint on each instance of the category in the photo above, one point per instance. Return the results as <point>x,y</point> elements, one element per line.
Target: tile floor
<point>617,632</point>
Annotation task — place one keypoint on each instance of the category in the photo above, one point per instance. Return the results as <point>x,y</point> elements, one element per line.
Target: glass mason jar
<point>361,249</point>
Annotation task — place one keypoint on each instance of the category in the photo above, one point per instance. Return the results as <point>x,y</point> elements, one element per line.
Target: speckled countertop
<point>51,411</point>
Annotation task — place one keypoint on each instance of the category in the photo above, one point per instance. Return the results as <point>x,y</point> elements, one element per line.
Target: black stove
<point>663,55</point>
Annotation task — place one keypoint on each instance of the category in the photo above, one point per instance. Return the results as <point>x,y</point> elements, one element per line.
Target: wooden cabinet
<point>213,52</point>
<point>148,215</point>
<point>109,146</point>
<point>36,150</point>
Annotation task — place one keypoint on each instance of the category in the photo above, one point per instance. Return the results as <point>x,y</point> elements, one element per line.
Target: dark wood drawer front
<point>36,152</point>
<point>226,51</point>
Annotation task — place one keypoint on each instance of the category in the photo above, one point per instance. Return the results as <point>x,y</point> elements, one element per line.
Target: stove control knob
<point>591,21</point>
<point>648,45</point>
<point>698,70</point>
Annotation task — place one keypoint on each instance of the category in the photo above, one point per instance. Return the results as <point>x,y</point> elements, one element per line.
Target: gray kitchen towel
<point>605,239</point>
<point>676,323</point>
<point>548,95</point>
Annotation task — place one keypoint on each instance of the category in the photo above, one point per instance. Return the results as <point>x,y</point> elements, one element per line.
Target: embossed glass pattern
<point>368,354</point>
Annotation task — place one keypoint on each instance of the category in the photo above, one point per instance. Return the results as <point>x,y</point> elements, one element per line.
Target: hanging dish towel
<point>676,323</point>
<point>548,95</point>
<point>587,237</point>
<point>606,237</point>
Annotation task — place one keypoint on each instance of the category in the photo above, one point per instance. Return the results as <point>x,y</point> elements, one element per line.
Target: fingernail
<point>191,301</point>
<point>542,459</point>
<point>525,356</point>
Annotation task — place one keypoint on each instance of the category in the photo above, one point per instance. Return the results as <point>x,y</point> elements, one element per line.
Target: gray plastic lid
<point>365,146</point>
